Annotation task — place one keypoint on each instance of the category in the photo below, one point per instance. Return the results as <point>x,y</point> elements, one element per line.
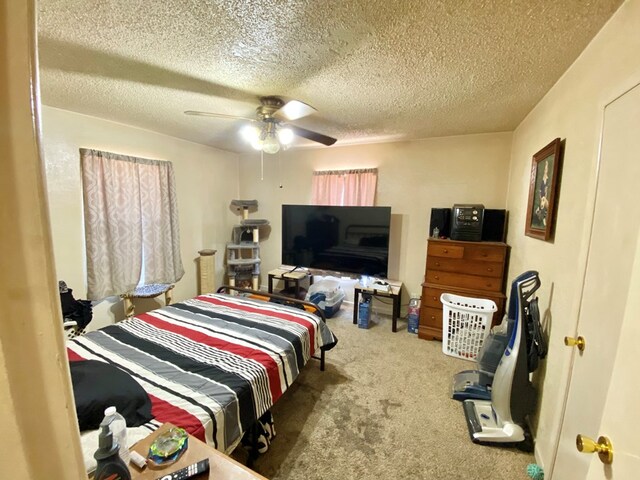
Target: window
<point>131,223</point>
<point>345,187</point>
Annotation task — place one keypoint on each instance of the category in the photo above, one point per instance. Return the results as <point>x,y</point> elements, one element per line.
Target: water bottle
<point>364,311</point>
<point>118,427</point>
<point>413,317</point>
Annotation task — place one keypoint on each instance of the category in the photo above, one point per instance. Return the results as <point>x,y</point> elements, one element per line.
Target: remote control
<point>187,472</point>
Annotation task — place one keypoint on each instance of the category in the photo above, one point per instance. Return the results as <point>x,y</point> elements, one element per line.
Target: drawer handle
<point>489,269</point>
<point>436,277</point>
<point>435,298</point>
<point>484,254</point>
<point>489,285</point>
<point>433,317</point>
<point>437,264</point>
<point>445,251</point>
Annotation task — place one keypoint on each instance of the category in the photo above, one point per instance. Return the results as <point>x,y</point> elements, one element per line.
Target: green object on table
<point>169,446</point>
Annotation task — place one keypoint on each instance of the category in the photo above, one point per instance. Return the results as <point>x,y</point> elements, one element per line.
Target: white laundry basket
<point>466,322</point>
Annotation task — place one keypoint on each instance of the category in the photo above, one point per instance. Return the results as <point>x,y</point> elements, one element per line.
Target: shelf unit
<point>243,253</point>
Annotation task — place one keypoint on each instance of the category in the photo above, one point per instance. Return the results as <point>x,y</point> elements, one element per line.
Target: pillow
<point>98,385</point>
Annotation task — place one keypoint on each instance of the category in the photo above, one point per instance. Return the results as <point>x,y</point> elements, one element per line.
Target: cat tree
<point>243,253</point>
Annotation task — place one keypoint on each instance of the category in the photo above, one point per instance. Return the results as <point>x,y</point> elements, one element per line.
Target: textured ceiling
<point>374,70</point>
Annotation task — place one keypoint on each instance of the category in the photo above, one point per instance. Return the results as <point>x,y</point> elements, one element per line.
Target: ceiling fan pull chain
<point>261,165</point>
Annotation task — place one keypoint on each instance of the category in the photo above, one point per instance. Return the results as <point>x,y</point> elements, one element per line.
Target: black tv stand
<point>291,278</point>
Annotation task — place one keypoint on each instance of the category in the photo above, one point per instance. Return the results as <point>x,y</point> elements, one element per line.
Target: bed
<point>213,364</point>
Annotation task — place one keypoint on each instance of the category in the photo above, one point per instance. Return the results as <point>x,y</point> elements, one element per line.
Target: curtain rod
<point>345,172</point>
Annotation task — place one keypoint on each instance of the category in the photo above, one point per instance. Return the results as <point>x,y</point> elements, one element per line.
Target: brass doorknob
<point>603,447</point>
<point>575,342</point>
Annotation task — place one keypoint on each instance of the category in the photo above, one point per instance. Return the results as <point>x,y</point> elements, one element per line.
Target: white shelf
<point>243,261</point>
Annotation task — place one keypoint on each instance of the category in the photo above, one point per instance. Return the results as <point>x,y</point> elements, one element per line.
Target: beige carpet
<point>381,410</point>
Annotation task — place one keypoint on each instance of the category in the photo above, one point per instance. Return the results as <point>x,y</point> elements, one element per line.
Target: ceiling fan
<point>270,129</point>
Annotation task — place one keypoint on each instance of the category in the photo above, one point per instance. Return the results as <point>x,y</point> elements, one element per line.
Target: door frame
<point>38,409</point>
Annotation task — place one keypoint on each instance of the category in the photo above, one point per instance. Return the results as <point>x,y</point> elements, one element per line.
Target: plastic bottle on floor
<point>413,317</point>
<point>118,426</point>
<point>364,311</point>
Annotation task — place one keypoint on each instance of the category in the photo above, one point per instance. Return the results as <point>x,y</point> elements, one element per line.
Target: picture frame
<point>543,182</point>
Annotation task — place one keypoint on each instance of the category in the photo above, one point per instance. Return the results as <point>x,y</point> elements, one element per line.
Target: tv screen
<point>340,239</point>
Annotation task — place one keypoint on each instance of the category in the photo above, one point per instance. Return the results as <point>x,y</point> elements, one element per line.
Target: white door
<point>605,376</point>
<point>624,395</point>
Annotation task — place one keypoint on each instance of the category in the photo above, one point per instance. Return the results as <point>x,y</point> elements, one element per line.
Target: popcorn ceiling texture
<point>375,70</point>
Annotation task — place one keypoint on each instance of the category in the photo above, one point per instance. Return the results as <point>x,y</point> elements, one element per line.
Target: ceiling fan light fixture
<point>285,136</point>
<point>250,133</point>
<point>271,145</point>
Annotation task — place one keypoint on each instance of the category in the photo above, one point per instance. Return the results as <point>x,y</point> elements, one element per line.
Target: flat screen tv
<point>339,239</point>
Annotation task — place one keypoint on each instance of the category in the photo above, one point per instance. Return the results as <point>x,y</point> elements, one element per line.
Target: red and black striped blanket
<point>213,364</point>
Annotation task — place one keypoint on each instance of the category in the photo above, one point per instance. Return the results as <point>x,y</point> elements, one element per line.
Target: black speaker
<point>494,225</point>
<point>466,222</point>
<point>440,218</point>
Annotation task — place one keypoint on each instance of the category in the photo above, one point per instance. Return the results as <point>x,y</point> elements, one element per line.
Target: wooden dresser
<point>470,269</point>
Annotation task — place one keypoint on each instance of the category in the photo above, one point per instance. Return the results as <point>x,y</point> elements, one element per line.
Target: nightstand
<point>221,466</point>
<point>385,288</point>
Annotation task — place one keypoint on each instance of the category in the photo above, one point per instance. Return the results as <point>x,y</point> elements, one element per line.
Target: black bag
<point>79,311</point>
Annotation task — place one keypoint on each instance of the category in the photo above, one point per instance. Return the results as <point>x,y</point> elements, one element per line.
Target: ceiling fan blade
<point>315,136</point>
<point>218,115</point>
<point>293,110</point>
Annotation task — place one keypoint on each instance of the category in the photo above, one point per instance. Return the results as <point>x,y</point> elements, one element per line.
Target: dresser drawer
<point>474,282</point>
<point>444,250</point>
<point>485,253</point>
<point>431,297</point>
<point>470,267</point>
<point>431,317</point>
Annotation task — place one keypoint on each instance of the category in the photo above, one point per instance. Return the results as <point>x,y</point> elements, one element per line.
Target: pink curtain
<point>326,188</point>
<point>345,187</point>
<point>360,187</point>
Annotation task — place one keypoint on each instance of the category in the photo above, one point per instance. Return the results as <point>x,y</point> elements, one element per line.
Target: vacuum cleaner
<point>476,384</point>
<point>512,397</point>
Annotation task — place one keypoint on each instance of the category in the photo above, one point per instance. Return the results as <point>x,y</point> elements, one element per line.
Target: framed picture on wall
<point>542,191</point>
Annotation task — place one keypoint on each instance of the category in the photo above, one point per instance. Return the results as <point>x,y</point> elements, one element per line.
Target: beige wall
<point>413,177</point>
<point>206,181</point>
<point>571,110</point>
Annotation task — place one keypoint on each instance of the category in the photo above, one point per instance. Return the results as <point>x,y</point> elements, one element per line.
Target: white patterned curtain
<point>131,222</point>
<point>345,187</point>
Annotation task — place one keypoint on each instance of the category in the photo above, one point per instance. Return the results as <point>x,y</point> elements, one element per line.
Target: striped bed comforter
<point>213,364</point>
